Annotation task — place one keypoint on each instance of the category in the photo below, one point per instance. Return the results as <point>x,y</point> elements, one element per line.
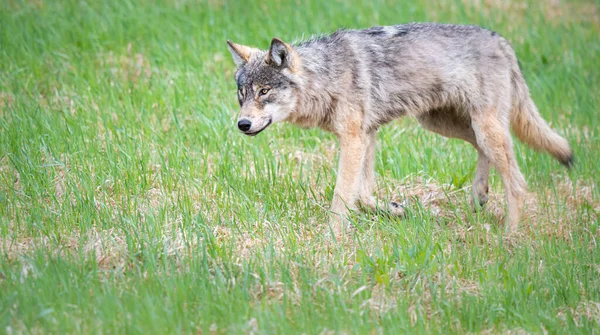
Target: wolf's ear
<point>281,54</point>
<point>241,53</point>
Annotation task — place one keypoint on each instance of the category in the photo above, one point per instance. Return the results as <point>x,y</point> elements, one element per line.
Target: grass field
<point>130,203</point>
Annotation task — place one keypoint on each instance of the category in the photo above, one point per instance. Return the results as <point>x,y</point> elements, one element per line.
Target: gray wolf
<point>458,81</point>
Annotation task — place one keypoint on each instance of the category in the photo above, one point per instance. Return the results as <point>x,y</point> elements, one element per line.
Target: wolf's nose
<point>244,124</point>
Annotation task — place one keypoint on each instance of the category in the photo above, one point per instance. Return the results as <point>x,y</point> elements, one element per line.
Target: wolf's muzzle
<point>254,132</point>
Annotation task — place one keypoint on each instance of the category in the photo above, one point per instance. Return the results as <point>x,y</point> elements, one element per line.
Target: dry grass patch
<point>443,200</point>
<point>108,248</point>
<point>439,199</point>
<point>7,100</point>
<point>589,310</point>
<point>133,67</point>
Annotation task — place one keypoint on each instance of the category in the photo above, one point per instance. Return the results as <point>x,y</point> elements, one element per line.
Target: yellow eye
<point>264,91</point>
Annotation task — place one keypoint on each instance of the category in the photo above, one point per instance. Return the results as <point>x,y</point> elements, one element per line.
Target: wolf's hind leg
<point>450,123</point>
<point>480,183</point>
<point>493,138</point>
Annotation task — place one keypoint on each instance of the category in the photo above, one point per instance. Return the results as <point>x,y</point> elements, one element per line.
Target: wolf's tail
<point>530,128</point>
<point>525,119</point>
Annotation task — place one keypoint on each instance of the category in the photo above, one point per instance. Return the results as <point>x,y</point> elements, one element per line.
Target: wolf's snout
<point>244,124</point>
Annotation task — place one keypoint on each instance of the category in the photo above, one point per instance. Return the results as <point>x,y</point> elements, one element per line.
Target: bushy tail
<point>530,128</point>
<point>525,119</point>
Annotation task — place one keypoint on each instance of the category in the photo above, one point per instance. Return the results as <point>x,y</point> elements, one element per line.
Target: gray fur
<point>458,81</point>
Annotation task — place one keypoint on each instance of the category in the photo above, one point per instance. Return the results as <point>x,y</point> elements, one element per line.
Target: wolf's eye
<point>264,91</point>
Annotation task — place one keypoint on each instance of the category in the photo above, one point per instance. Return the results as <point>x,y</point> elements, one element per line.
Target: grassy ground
<point>129,203</point>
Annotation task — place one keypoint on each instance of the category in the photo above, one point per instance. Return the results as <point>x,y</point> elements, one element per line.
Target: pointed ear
<point>282,54</point>
<point>241,53</point>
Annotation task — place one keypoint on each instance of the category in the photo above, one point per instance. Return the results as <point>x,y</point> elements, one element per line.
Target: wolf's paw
<point>478,203</point>
<point>397,209</point>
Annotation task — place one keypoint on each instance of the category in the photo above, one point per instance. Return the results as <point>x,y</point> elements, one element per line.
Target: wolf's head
<point>266,81</point>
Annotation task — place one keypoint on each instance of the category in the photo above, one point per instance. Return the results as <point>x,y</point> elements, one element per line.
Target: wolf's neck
<point>315,104</point>
<point>316,90</point>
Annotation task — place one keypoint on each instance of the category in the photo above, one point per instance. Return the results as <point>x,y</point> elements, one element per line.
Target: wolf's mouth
<point>258,131</point>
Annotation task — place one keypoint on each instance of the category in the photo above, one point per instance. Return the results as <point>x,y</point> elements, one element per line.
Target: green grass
<point>129,202</point>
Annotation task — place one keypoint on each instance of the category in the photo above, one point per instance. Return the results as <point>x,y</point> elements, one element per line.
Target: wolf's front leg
<point>353,146</point>
<point>367,181</point>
